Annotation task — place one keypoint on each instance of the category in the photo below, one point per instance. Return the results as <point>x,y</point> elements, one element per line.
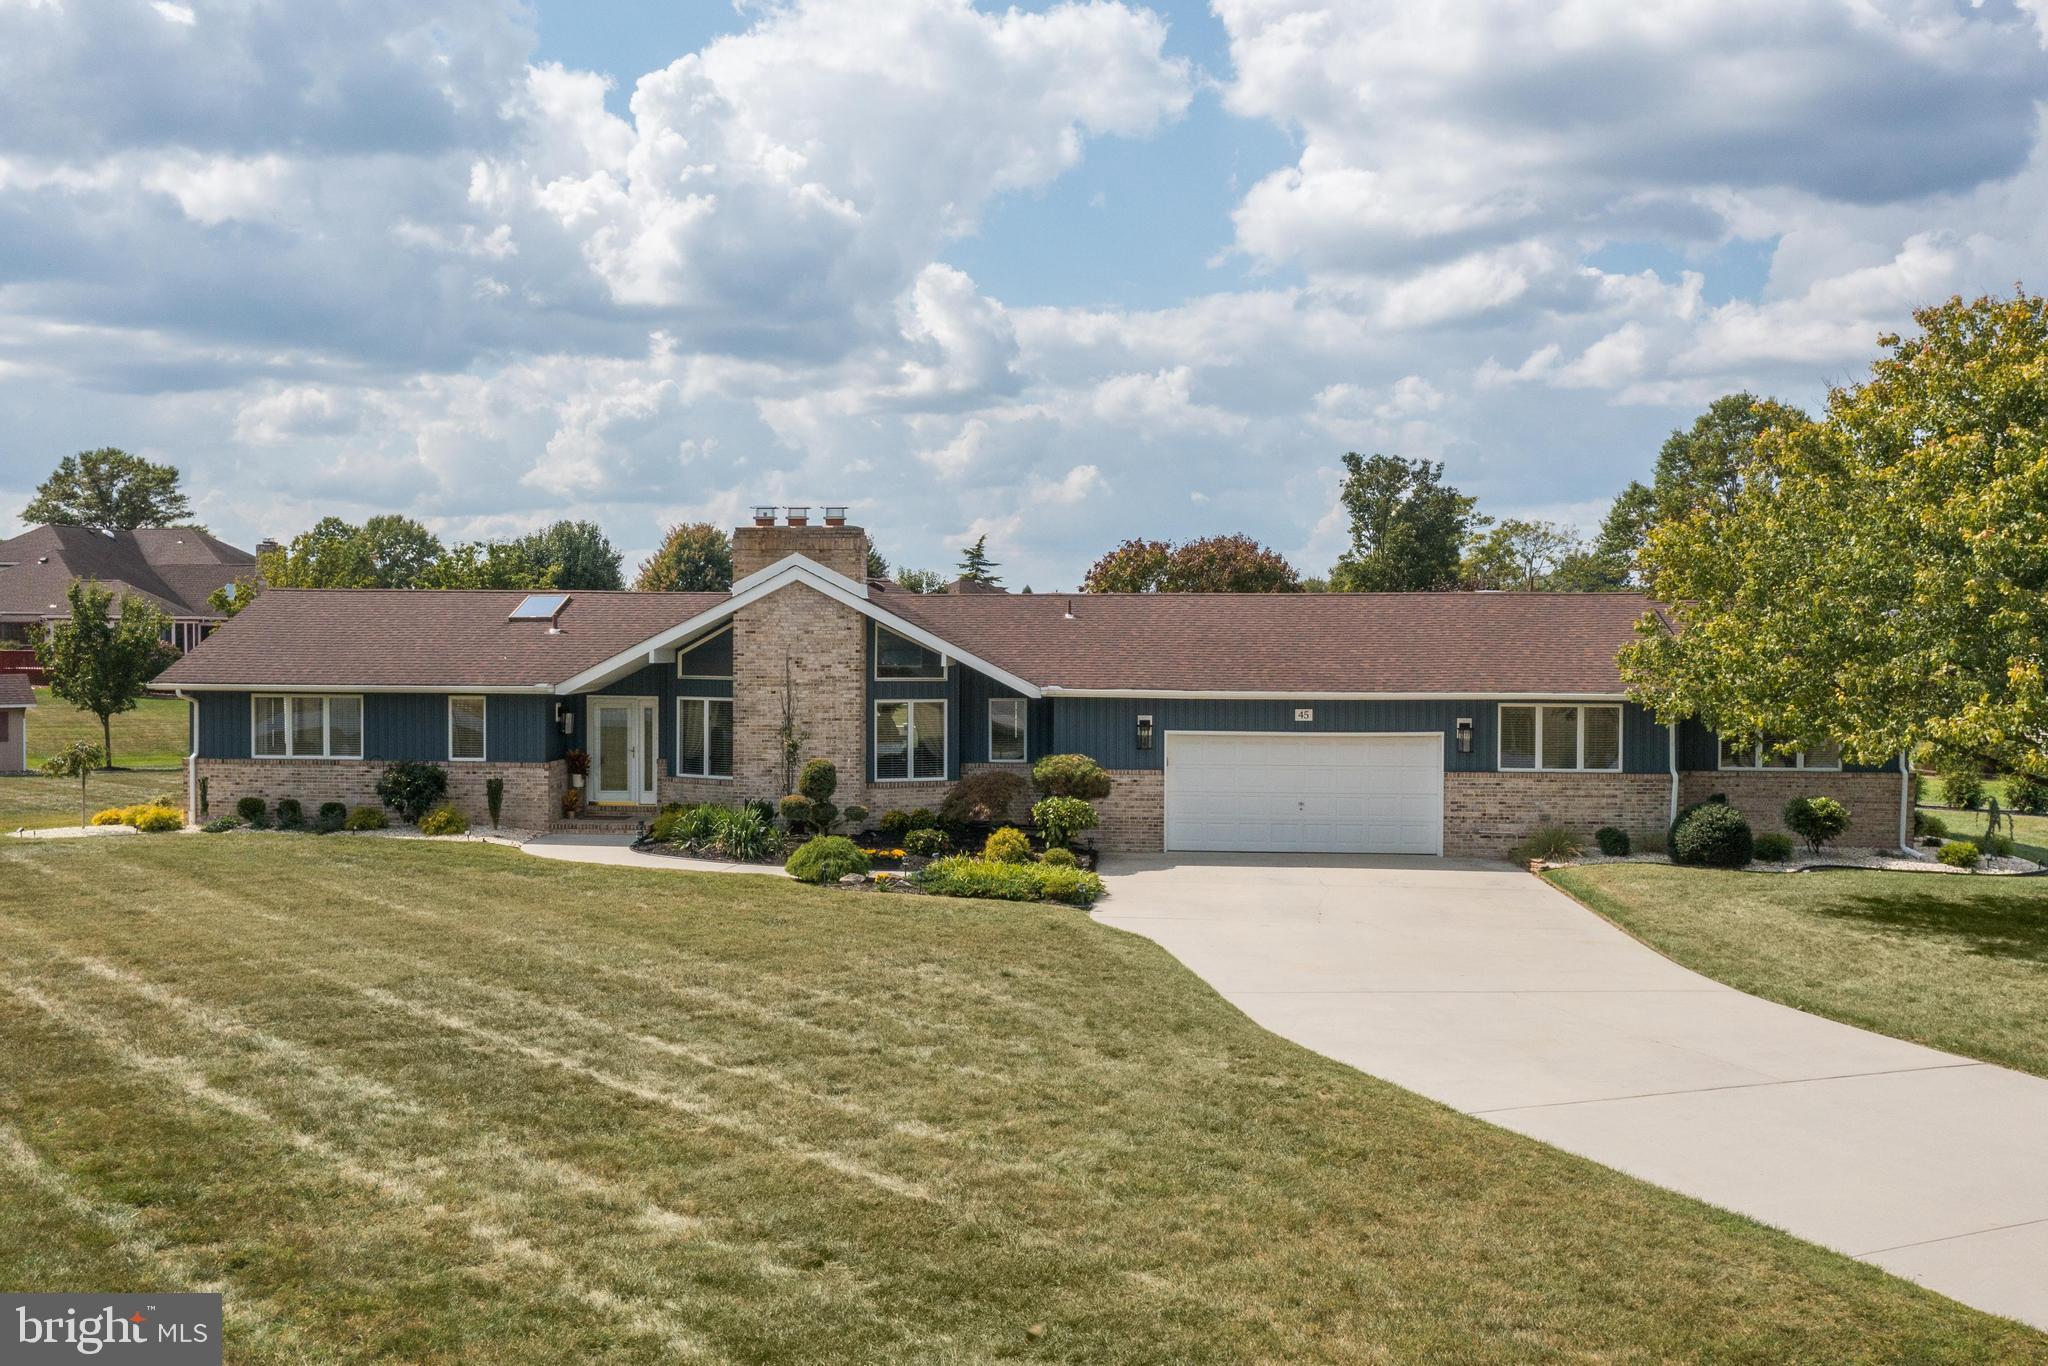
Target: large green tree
<point>332,554</point>
<point>1230,563</point>
<point>1879,576</point>
<point>487,564</point>
<point>400,550</point>
<point>111,490</point>
<point>581,553</point>
<point>1523,556</point>
<point>695,557</point>
<point>1408,527</point>
<point>100,660</point>
<point>1134,566</point>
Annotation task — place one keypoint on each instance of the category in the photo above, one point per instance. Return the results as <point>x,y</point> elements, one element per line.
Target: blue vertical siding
<point>1699,751</point>
<point>518,729</point>
<point>711,659</point>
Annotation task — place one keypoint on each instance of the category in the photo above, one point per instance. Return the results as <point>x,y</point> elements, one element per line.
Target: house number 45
<point>1304,713</point>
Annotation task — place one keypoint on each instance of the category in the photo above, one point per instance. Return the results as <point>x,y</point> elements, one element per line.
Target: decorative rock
<point>854,878</point>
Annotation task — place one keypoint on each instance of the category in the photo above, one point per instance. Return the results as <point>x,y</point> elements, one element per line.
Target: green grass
<point>35,802</point>
<point>2029,833</point>
<point>153,735</point>
<point>1957,963</point>
<point>429,1102</point>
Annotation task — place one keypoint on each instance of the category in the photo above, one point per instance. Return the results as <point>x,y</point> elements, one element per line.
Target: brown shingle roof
<point>389,638</point>
<point>1472,643</point>
<point>16,691</point>
<point>173,568</point>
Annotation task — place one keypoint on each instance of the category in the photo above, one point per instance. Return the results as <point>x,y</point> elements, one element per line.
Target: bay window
<point>1560,738</point>
<point>305,727</point>
<point>910,740</point>
<point>703,737</point>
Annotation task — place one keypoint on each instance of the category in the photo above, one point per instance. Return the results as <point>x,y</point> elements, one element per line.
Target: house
<point>174,569</point>
<point>1412,723</point>
<point>16,698</point>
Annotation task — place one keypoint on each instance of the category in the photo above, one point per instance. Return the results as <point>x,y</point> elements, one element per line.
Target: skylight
<point>539,607</point>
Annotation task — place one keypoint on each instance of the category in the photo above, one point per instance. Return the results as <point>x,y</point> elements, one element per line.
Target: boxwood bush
<point>927,843</point>
<point>1613,843</point>
<point>367,818</point>
<point>1712,835</point>
<point>1959,854</point>
<point>1007,845</point>
<point>290,815</point>
<point>250,809</point>
<point>827,858</point>
<point>1773,847</point>
<point>973,877</point>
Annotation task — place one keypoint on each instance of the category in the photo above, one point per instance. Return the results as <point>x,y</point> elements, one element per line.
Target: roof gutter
<point>1311,694</point>
<point>495,689</point>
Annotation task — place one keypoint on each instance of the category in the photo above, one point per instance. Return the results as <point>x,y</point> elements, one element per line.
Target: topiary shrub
<point>855,815</point>
<point>412,788</point>
<point>1958,854</point>
<point>1816,820</point>
<point>927,843</point>
<point>1059,858</point>
<point>290,815</point>
<point>1007,845</point>
<point>2027,794</point>
<point>827,858</point>
<point>1773,846</point>
<point>367,818</point>
<point>796,811</point>
<point>985,796</point>
<point>1070,775</point>
<point>444,820</point>
<point>1962,786</point>
<point>1548,843</point>
<point>1059,819</point>
<point>818,780</point>
<point>250,809</point>
<point>894,824</point>
<point>1713,835</point>
<point>1612,842</point>
<point>494,797</point>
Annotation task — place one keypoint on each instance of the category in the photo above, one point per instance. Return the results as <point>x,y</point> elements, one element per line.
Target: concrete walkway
<point>1484,988</point>
<point>617,851</point>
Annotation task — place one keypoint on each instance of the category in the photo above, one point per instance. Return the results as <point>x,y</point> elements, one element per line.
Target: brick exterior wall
<point>532,791</point>
<point>824,643</point>
<point>843,549</point>
<point>1872,799</point>
<point>1486,813</point>
<point>1134,813</point>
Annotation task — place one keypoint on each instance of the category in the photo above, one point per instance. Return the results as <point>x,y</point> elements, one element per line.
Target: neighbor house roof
<point>173,568</point>
<point>16,691</point>
<point>1292,643</point>
<point>397,638</point>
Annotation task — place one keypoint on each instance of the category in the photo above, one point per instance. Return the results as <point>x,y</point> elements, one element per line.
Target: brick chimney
<point>843,549</point>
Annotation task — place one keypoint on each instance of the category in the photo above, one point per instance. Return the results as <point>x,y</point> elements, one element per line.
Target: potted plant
<point>577,761</point>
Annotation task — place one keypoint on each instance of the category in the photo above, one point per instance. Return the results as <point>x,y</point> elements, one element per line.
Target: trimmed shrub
<point>1773,846</point>
<point>824,816</point>
<point>411,788</point>
<point>1670,835</point>
<point>1059,819</point>
<point>1713,835</point>
<point>1927,823</point>
<point>220,825</point>
<point>367,818</point>
<point>250,809</point>
<point>290,815</point>
<point>494,797</point>
<point>1070,775</point>
<point>1059,858</point>
<point>855,815</point>
<point>2027,794</point>
<point>973,877</point>
<point>1613,843</point>
<point>818,780</point>
<point>827,858</point>
<point>1962,786</point>
<point>444,820</point>
<point>795,810</point>
<point>1816,820</point>
<point>1550,843</point>
<point>1958,854</point>
<point>927,843</point>
<point>1007,845</point>
<point>894,824</point>
<point>151,820</point>
<point>330,818</point>
<point>984,796</point>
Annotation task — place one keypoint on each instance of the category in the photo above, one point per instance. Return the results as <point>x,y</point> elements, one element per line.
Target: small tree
<point>1059,819</point>
<point>976,566</point>
<point>75,760</point>
<point>100,662</point>
<point>412,788</point>
<point>1816,820</point>
<point>1070,775</point>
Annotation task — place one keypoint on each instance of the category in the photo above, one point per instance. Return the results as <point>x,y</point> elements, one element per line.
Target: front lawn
<point>1954,962</point>
<point>35,802</point>
<point>153,735</point>
<point>431,1102</point>
<point>2029,833</point>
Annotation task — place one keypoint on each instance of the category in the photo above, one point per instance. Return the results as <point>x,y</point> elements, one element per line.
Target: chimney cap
<point>764,516</point>
<point>835,515</point>
<point>797,516</point>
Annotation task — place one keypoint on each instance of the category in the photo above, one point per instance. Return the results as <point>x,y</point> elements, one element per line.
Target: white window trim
<point>697,645</point>
<point>910,739</point>
<point>326,725</point>
<point>945,662</point>
<point>1023,729</point>
<point>453,698</point>
<point>1756,753</point>
<point>682,772</point>
<point>1620,737</point>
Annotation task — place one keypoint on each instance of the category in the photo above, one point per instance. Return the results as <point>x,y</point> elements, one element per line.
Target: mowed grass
<point>153,735</point>
<point>1958,963</point>
<point>450,1102</point>
<point>2029,833</point>
<point>36,802</point>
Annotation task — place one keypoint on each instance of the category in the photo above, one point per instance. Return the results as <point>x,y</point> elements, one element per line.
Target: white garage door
<point>1347,794</point>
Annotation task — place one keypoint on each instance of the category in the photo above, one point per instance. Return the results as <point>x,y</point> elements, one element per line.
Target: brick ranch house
<point>1422,723</point>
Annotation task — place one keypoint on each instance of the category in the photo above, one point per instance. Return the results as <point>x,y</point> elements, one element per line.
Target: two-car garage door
<point>1351,794</point>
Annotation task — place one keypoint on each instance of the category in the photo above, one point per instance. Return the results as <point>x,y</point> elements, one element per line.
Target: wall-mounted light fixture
<point>565,718</point>
<point>1464,735</point>
<point>1145,731</point>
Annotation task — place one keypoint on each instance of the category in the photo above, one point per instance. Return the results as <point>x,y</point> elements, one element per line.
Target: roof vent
<point>540,607</point>
<point>1069,616</point>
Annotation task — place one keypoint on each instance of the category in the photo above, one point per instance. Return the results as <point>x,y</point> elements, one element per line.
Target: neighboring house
<point>1412,723</point>
<point>174,569</point>
<point>16,697</point>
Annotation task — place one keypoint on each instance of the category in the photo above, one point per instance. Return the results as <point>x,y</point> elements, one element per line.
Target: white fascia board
<point>1312,695</point>
<point>456,689</point>
<point>794,561</point>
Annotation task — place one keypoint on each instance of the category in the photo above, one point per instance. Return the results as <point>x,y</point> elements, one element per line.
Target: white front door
<point>1327,793</point>
<point>625,751</point>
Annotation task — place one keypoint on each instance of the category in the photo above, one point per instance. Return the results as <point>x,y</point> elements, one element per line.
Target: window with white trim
<point>1560,737</point>
<point>305,726</point>
<point>1006,734</point>
<point>1760,755</point>
<point>467,718</point>
<point>703,737</point>
<point>901,659</point>
<point>910,740</point>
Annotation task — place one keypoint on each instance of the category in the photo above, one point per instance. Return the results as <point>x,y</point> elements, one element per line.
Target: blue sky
<point>1057,274</point>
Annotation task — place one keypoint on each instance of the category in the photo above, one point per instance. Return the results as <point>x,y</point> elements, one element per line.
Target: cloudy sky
<point>1059,273</point>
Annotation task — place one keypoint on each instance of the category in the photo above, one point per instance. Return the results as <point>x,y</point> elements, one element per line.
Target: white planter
<point>576,780</point>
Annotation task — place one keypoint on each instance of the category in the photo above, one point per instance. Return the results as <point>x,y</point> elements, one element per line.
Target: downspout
<point>192,759</point>
<point>1672,732</point>
<point>1905,802</point>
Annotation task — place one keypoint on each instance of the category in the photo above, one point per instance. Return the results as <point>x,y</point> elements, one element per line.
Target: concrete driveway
<point>1482,987</point>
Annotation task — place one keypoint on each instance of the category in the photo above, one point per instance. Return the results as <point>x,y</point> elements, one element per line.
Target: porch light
<point>764,516</point>
<point>566,718</point>
<point>1145,731</point>
<point>1464,735</point>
